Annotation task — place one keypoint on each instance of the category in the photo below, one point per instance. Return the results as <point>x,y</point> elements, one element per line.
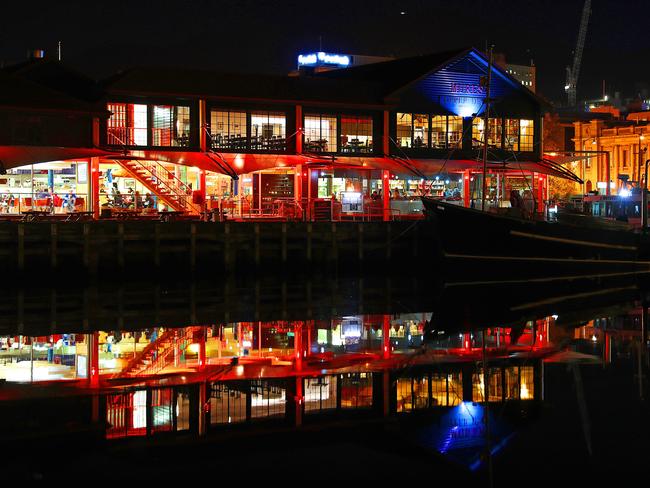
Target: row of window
<point>133,124</point>
<point>423,131</point>
<point>168,125</point>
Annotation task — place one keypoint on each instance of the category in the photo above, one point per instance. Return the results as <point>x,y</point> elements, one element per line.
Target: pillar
<point>309,192</point>
<point>299,129</point>
<point>203,127</point>
<point>298,355</point>
<point>385,190</point>
<point>202,355</point>
<point>202,189</point>
<point>385,335</point>
<point>297,182</point>
<point>608,190</point>
<point>93,187</point>
<point>607,348</point>
<point>467,341</point>
<point>540,192</point>
<point>386,134</point>
<point>466,188</point>
<point>92,363</point>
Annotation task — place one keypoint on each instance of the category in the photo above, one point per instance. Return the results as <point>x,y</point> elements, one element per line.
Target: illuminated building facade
<point>360,141</point>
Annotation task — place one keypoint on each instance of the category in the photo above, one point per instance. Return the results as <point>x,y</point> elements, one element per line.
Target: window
<point>512,135</point>
<point>439,132</point>
<point>356,134</point>
<point>526,130</point>
<point>404,130</point>
<point>455,131</point>
<point>356,390</point>
<point>268,398</point>
<point>228,130</point>
<point>268,131</point>
<point>420,131</point>
<point>227,403</point>
<point>320,393</point>
<point>171,126</point>
<point>624,158</point>
<point>495,134</point>
<point>320,133</point>
<point>127,125</point>
<point>478,132</point>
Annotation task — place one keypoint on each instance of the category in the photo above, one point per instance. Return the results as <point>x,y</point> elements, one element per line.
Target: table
<point>169,215</point>
<point>32,215</point>
<point>77,216</point>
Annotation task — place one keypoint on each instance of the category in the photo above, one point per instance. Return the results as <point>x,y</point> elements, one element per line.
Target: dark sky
<point>266,36</point>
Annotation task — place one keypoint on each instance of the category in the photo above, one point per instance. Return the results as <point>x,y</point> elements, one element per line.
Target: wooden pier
<point>96,248</point>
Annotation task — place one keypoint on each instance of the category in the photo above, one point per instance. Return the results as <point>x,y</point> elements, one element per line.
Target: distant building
<point>525,74</point>
<point>620,144</point>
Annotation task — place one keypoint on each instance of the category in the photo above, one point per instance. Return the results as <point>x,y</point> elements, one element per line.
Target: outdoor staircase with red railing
<point>162,183</point>
<point>158,354</point>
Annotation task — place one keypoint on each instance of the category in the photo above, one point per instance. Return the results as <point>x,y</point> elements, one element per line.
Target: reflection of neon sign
<point>323,58</point>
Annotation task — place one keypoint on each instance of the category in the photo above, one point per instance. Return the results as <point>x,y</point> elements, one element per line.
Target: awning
<point>15,156</point>
<point>233,164</point>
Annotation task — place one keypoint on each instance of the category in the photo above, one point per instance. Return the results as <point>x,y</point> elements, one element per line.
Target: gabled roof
<point>17,92</point>
<point>397,74</point>
<point>58,76</point>
<point>203,83</point>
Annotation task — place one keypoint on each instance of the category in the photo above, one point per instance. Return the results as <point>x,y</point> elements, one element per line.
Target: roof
<point>203,83</point>
<point>17,92</point>
<point>58,76</point>
<point>394,74</point>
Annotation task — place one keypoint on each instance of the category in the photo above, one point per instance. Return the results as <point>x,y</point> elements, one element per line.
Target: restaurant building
<point>360,142</point>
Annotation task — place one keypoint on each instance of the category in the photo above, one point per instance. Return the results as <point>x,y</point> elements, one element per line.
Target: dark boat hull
<point>471,235</point>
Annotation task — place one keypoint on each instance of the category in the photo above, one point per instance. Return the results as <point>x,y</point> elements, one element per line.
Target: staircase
<point>159,354</point>
<point>162,183</point>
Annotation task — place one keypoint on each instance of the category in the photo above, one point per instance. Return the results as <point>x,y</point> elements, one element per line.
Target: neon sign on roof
<point>320,57</point>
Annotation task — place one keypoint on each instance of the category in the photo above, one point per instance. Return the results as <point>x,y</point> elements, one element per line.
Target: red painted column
<point>297,184</point>
<point>385,335</point>
<point>94,187</point>
<point>299,129</point>
<point>607,348</point>
<point>202,356</point>
<point>202,189</point>
<point>385,190</point>
<point>298,355</point>
<point>93,359</point>
<point>540,193</point>
<point>466,188</point>
<point>386,134</point>
<point>467,342</point>
<point>203,136</point>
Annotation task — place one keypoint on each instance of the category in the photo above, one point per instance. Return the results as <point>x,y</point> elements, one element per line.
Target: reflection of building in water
<point>288,371</point>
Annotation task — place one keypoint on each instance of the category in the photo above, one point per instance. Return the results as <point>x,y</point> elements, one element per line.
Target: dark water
<point>580,417</point>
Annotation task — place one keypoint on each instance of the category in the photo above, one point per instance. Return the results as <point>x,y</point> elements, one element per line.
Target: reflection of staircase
<point>159,354</point>
<point>162,183</point>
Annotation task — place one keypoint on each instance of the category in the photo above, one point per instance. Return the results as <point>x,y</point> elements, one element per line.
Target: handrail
<point>148,348</point>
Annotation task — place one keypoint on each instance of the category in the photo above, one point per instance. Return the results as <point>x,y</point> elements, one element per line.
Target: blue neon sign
<point>320,58</point>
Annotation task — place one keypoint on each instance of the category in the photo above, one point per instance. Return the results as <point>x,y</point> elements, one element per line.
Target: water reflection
<point>463,368</point>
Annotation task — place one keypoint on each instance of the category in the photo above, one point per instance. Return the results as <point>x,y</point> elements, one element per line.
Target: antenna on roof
<point>58,51</point>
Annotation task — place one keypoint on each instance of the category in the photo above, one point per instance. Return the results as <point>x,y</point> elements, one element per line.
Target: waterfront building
<point>620,149</point>
<point>360,142</point>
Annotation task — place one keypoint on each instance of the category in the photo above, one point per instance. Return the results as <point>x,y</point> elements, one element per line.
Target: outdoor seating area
<point>255,143</point>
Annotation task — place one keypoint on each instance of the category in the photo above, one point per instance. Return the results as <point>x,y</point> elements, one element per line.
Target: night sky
<point>245,35</point>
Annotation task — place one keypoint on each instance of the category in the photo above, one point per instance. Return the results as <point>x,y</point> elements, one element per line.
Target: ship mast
<point>486,128</point>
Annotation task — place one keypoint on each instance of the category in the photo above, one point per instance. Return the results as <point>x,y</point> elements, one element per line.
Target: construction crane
<point>572,72</point>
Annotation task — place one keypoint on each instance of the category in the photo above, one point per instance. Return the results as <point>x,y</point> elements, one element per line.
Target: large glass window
<point>268,131</point>
<point>404,130</point>
<point>228,129</point>
<point>439,132</point>
<point>526,131</point>
<point>356,134</point>
<point>478,132</point>
<point>512,134</point>
<point>420,131</point>
<point>454,131</point>
<point>171,126</point>
<point>495,135</point>
<point>127,125</point>
<point>320,133</point>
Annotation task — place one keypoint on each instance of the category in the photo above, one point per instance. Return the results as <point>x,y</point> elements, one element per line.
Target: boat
<point>501,240</point>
